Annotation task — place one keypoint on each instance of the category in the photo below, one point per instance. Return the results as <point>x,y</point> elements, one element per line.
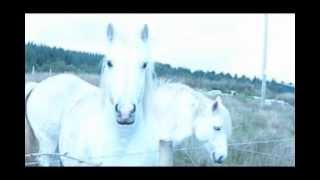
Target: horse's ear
<point>215,106</point>
<point>216,103</point>
<point>145,33</point>
<point>110,32</point>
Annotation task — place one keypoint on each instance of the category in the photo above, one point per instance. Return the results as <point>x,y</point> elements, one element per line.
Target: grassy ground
<point>261,136</point>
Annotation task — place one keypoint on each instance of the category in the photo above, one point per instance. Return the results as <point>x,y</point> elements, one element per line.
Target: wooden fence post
<point>165,153</point>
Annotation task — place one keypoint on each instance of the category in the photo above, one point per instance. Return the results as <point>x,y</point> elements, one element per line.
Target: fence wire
<point>65,155</point>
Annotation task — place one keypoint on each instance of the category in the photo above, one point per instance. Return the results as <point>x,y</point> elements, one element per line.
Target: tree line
<point>44,58</point>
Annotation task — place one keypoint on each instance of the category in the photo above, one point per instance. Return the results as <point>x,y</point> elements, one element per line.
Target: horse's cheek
<point>200,133</point>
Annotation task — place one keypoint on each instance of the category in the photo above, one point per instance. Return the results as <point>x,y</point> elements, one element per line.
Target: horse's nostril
<point>117,108</point>
<point>217,160</point>
<point>125,110</point>
<point>220,160</point>
<point>134,109</point>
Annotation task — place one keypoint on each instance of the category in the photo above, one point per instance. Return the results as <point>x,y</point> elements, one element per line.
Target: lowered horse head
<point>126,74</point>
<point>214,127</point>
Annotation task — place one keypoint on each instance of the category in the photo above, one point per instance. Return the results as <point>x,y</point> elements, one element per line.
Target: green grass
<point>250,124</point>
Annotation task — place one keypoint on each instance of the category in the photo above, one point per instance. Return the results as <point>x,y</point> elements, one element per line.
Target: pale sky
<point>221,42</point>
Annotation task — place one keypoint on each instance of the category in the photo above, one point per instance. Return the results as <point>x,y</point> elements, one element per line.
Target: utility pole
<point>33,69</point>
<point>264,60</point>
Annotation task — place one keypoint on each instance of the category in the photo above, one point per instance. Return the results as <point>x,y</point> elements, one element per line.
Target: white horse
<point>111,127</point>
<point>181,112</point>
<point>45,106</point>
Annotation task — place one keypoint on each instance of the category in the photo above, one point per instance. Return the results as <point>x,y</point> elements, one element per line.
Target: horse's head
<point>126,70</point>
<point>214,131</point>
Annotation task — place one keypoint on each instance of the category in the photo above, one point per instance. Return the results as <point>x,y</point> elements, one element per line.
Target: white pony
<point>111,127</point>
<point>45,106</point>
<point>181,112</point>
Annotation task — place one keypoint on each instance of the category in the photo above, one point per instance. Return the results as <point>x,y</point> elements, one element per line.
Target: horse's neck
<point>202,107</point>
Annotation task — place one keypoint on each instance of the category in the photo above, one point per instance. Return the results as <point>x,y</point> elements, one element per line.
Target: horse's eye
<point>109,64</point>
<point>217,128</point>
<point>144,65</point>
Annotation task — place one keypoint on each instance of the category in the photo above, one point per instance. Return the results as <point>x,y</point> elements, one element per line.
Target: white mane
<point>195,101</point>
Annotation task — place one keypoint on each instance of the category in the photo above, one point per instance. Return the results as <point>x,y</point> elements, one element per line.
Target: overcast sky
<point>221,42</point>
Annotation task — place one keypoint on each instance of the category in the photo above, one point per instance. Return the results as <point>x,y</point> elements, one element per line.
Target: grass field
<point>261,136</point>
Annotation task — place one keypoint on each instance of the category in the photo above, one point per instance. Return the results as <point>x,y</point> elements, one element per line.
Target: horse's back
<point>176,94</point>
<point>52,95</point>
<point>49,100</point>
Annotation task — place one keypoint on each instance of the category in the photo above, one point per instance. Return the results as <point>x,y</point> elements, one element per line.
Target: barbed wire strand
<point>35,155</point>
<point>31,163</point>
<point>262,141</point>
<point>257,152</point>
<point>155,151</point>
<point>192,162</point>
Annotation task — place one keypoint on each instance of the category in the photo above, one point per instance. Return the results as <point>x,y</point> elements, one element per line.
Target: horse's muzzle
<point>218,159</point>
